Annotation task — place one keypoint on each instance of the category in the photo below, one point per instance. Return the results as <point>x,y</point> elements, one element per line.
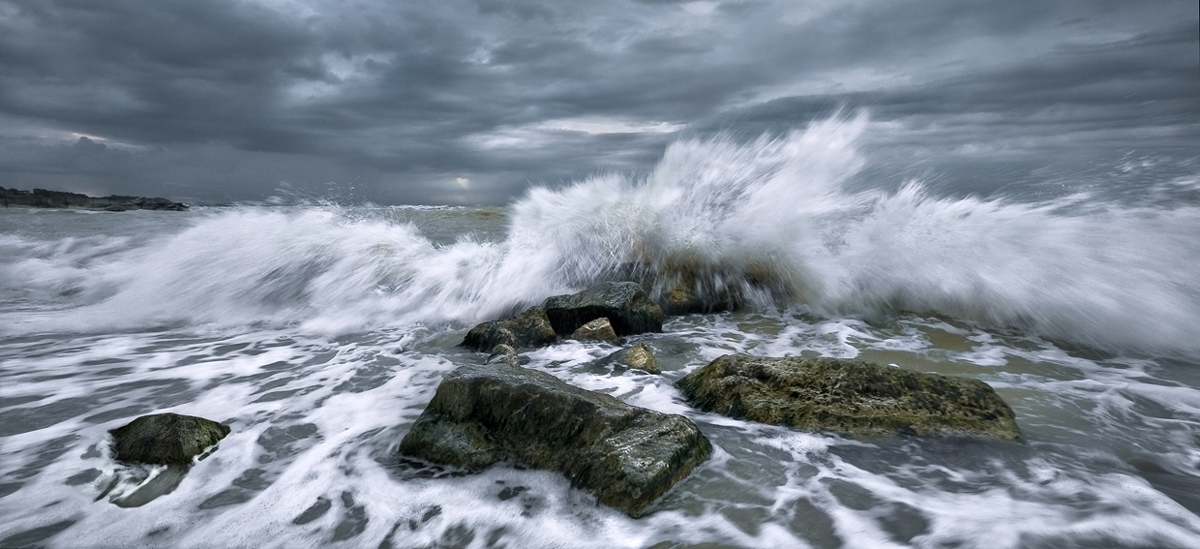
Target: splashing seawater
<point>770,222</point>
<point>320,333</point>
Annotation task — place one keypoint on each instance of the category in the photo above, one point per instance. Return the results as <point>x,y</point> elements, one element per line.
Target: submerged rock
<point>626,456</point>
<point>165,439</point>
<point>625,305</point>
<point>849,396</point>
<point>597,330</point>
<point>638,357</point>
<point>529,329</point>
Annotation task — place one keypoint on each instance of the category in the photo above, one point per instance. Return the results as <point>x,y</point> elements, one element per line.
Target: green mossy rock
<point>625,305</point>
<point>626,456</point>
<point>166,439</point>
<point>848,396</point>
<point>529,329</point>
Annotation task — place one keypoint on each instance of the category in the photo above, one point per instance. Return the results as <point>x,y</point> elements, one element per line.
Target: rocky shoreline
<point>497,411</point>
<point>42,198</point>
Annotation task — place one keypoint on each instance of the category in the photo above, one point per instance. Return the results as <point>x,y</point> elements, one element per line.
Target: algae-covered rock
<point>165,439</point>
<point>529,329</point>
<point>638,357</point>
<point>625,305</point>
<point>597,330</point>
<point>848,396</point>
<point>626,456</point>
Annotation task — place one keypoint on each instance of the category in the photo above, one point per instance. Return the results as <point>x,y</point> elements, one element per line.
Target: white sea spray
<point>320,332</point>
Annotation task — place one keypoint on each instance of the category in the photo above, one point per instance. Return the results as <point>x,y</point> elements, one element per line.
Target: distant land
<point>41,198</point>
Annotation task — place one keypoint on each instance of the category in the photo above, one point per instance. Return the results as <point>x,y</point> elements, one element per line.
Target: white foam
<point>1104,276</point>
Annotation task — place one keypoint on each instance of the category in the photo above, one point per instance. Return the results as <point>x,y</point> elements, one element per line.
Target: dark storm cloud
<point>473,101</point>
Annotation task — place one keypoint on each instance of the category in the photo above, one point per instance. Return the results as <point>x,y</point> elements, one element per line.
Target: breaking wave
<point>770,223</point>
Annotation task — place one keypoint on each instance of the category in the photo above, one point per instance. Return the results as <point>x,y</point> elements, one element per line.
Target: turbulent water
<point>319,333</point>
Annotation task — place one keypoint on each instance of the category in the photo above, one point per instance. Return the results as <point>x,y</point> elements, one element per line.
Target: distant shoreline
<point>42,198</point>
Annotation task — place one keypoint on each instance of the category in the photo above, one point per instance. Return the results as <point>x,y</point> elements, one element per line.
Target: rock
<point>166,439</point>
<point>849,396</point>
<point>115,208</point>
<point>625,305</point>
<point>42,198</point>
<point>489,335</point>
<point>686,282</point>
<point>638,357</point>
<point>503,354</point>
<point>597,330</point>
<point>158,204</point>
<point>685,294</point>
<point>626,456</point>
<point>529,329</point>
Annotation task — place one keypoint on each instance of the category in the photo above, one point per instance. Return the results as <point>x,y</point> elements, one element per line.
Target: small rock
<point>626,456</point>
<point>625,305</point>
<point>529,329</point>
<point>597,330</point>
<point>489,335</point>
<point>166,439</point>
<point>638,357</point>
<point>849,396</point>
<point>503,354</point>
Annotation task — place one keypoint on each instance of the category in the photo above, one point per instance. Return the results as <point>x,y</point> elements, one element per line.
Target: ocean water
<point>319,333</point>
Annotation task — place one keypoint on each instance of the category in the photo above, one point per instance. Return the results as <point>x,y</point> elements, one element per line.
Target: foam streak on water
<point>319,333</point>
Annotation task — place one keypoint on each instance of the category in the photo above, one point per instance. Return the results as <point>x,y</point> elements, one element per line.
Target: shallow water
<point>1111,460</point>
<point>319,333</point>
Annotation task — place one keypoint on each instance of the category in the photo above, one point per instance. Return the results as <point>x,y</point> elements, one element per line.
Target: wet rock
<point>529,329</point>
<point>848,396</point>
<point>686,282</point>
<point>685,293</point>
<point>626,456</point>
<point>638,357</point>
<point>625,305</point>
<point>597,330</point>
<point>165,439</point>
<point>492,333</point>
<point>159,204</point>
<point>503,354</point>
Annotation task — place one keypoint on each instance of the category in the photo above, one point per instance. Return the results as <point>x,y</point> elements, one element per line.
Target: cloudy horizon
<point>472,102</point>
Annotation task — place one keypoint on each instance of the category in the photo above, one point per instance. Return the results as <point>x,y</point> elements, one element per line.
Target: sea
<point>319,331</point>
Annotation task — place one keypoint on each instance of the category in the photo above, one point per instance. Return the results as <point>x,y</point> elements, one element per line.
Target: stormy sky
<point>473,101</point>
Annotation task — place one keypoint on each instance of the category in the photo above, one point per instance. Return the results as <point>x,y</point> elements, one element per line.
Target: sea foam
<point>773,220</point>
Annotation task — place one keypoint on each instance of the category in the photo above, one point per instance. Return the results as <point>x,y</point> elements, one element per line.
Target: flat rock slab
<point>625,305</point>
<point>166,439</point>
<point>849,396</point>
<point>626,456</point>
